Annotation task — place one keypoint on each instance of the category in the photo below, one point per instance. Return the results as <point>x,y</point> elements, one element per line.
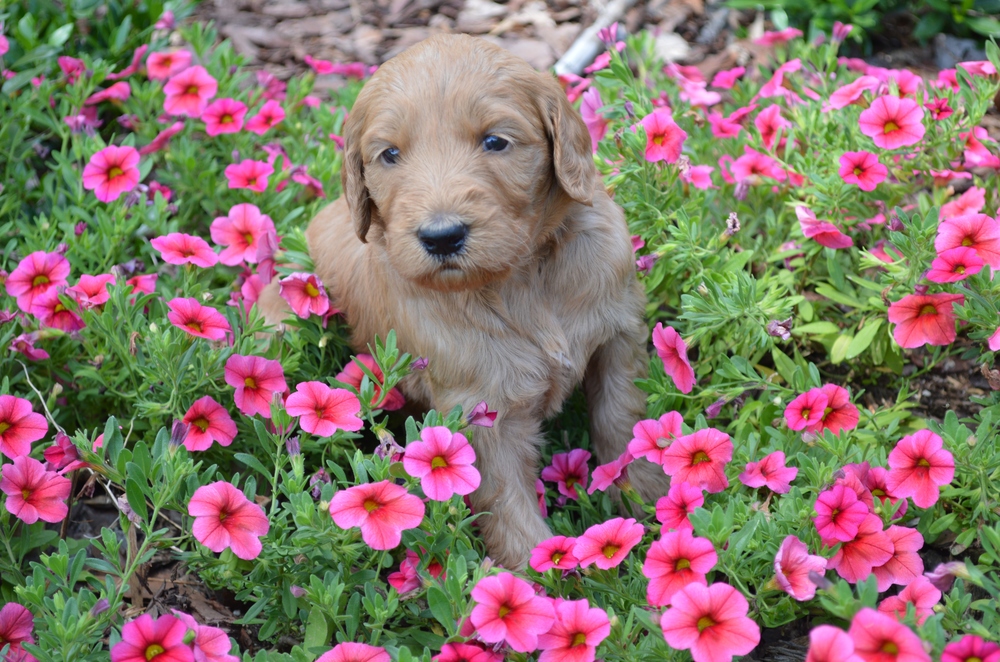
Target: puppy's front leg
<point>616,404</point>
<point>507,458</point>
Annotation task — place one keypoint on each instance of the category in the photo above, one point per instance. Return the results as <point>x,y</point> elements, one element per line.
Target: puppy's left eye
<point>493,143</point>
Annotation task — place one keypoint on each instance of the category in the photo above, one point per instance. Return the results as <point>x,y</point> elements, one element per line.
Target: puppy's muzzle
<point>443,237</point>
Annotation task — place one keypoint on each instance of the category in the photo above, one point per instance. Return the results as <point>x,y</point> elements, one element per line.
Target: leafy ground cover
<point>808,234</point>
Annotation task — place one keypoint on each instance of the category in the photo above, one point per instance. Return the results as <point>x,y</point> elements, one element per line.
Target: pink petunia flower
<point>597,125</point>
<point>198,320</point>
<point>863,169</point>
<point>25,344</point>
<point>792,566</point>
<point>36,274</point>
<point>700,459</point>
<point>240,232</point>
<point>210,644</point>
<point>324,410</point>
<point>16,622</point>
<point>148,640</point>
<point>352,375</point>
<point>53,313</point>
<point>824,233</point>
<point>881,638</point>
<point>614,472</point>
<point>839,413</point>
<point>249,174</point>
<point>143,284</point>
<point>727,79</point>
<point>507,610</point>
<point>356,70</point>
<point>924,319</point>
<point>770,471</point>
<point>224,517</point>
<point>32,492</point>
<point>850,93</point>
<point>754,164</point>
<point>355,652</point>
<point>189,91</point>
<point>71,67</point>
<point>19,426</point>
<point>382,511</point>
<point>769,121</point>
<point>918,466</point>
<point>158,143</point>
<point>62,456</point>
<point>674,561</point>
<point>779,37</point>
<point>830,644</point>
<point>568,470</point>
<point>893,122</point>
<point>664,139</point>
<point>269,115</point>
<point>208,422</point>
<point>607,544</point>
<point>977,231</point>
<point>92,291</point>
<point>576,633</point>
<point>120,91</point>
<point>839,514</point>
<point>971,648</point>
<point>905,564</point>
<point>650,437</point>
<point>256,380</point>
<point>442,460</point>
<point>955,264</point>
<point>556,552</point>
<point>681,500</point>
<point>699,176</point>
<point>180,248</point>
<point>711,622</point>
<point>163,65</point>
<point>939,109</point>
<point>112,171</point>
<point>224,116</point>
<point>408,579</point>
<point>970,202</point>
<point>133,67</point>
<point>870,548</point>
<point>466,652</point>
<point>672,350</point>
<point>305,293</point>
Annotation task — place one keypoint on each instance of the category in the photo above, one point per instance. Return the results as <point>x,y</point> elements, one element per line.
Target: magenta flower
<point>324,410</point>
<point>16,622</point>
<point>806,411</point>
<point>112,171</point>
<point>53,313</point>
<point>753,163</point>
<point>352,376</point>
<point>699,176</point>
<point>863,169</point>
<point>918,466</point>
<point>407,579</point>
<point>158,143</point>
<point>36,274</point>
<point>269,115</point>
<point>955,264</point>
<point>382,511</point>
<point>606,475</point>
<point>664,139</point>
<point>256,380</point>
<point>870,548</point>
<point>700,459</point>
<point>118,92</point>
<point>681,500</point>
<point>769,121</point>
<point>146,640</point>
<point>224,517</point>
<point>825,233</point>
<point>606,545</point>
<point>198,320</point>
<point>305,293</point>
<point>249,174</point>
<point>568,470</point>
<point>924,319</point>
<point>597,125</point>
<point>727,78</point>
<point>208,422</point>
<point>905,564</point>
<point>25,344</point>
<point>163,65</point>
<point>672,351</point>
<point>839,413</point>
<point>189,91</point>
<point>180,248</point>
<point>711,622</point>
<point>650,437</point>
<point>442,460</point>
<point>92,291</point>
<point>839,513</point>
<point>354,652</point>
<point>920,593</point>
<point>850,93</point>
<point>770,471</point>
<point>224,116</point>
<point>210,644</point>
<point>892,122</point>
<point>674,561</point>
<point>778,37</point>
<point>792,566</point>
<point>881,638</point>
<point>556,552</point>
<point>576,633</point>
<point>830,644</point>
<point>240,232</point>
<point>32,492</point>
<point>142,284</point>
<point>977,231</point>
<point>508,610</point>
<point>19,426</point>
<point>971,648</point>
<point>970,202</point>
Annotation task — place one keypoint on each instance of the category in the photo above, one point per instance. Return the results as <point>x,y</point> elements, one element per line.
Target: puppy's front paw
<point>648,480</point>
<point>510,542</point>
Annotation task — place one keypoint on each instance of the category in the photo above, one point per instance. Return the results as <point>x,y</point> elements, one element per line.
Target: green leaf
<point>317,631</point>
<point>839,350</point>
<point>252,462</point>
<point>984,25</point>
<point>786,367</point>
<point>121,36</point>
<point>816,329</point>
<point>61,36</point>
<point>864,338</point>
<point>136,499</point>
<point>838,296</point>
<point>440,606</point>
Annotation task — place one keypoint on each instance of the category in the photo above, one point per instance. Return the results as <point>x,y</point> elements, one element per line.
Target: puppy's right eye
<point>390,156</point>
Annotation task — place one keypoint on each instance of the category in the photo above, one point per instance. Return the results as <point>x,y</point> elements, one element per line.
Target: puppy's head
<point>460,159</point>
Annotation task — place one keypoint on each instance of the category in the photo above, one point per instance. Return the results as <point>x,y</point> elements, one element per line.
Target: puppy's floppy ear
<point>572,156</point>
<point>352,173</point>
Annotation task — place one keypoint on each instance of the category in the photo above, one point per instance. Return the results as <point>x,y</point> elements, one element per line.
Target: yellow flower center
<point>371,505</point>
<point>153,650</point>
<point>40,280</point>
<point>857,171</point>
<point>439,462</point>
<point>311,289</point>
<point>960,269</point>
<point>922,462</point>
<point>704,623</point>
<point>201,423</point>
<point>25,493</point>
<point>609,550</point>
<point>223,515</point>
<point>890,127</point>
<point>4,426</point>
<point>682,564</point>
<point>115,171</point>
<point>579,639</point>
<point>503,611</point>
<point>248,238</point>
<point>194,326</point>
<point>658,140</point>
<point>890,647</point>
<point>557,557</point>
<point>250,382</point>
<point>967,242</point>
<point>226,119</point>
<point>928,310</point>
<point>570,482</point>
<point>192,89</point>
<point>59,308</point>
<point>700,457</point>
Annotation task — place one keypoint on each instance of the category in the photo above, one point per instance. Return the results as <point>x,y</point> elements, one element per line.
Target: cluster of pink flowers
<point>175,637</point>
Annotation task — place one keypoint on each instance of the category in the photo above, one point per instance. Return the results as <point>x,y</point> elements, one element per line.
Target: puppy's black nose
<point>443,240</point>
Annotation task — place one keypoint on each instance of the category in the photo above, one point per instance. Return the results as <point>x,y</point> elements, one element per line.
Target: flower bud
<point>178,433</point>
<point>100,607</point>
